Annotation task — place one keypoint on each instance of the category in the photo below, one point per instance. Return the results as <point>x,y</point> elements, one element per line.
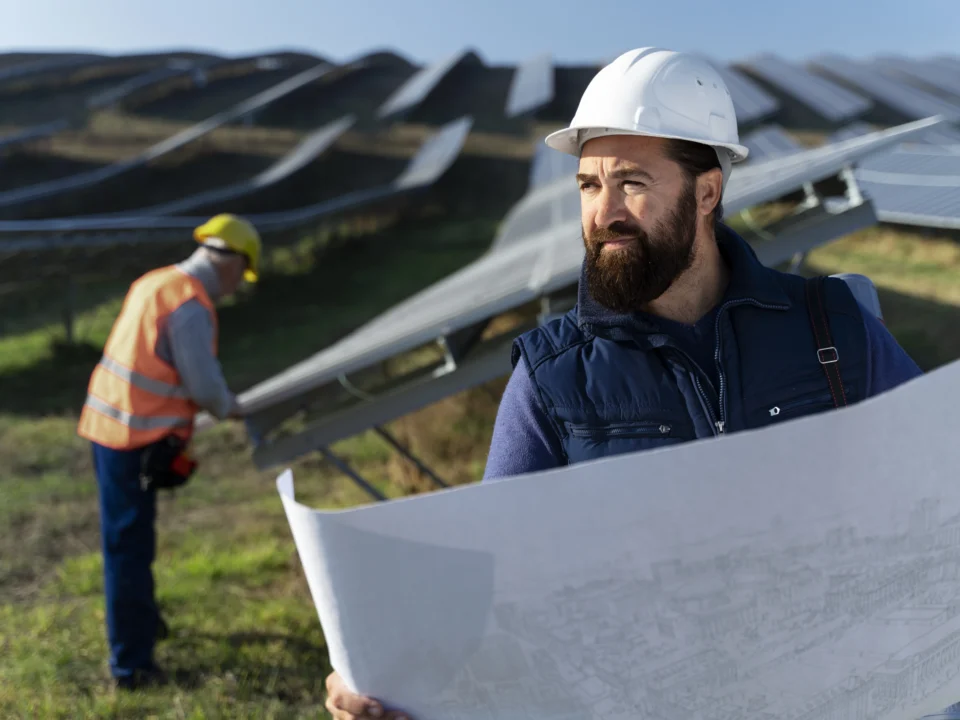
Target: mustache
<point>616,230</point>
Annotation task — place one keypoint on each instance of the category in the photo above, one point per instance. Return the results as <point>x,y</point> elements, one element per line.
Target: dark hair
<point>695,159</point>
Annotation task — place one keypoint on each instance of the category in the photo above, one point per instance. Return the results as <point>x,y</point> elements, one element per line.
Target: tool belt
<point>165,464</point>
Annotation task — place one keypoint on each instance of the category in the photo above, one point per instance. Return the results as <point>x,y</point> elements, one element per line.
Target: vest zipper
<point>691,367</point>
<point>722,400</point>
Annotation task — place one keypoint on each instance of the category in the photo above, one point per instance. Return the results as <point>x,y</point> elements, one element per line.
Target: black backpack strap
<point>827,354</point>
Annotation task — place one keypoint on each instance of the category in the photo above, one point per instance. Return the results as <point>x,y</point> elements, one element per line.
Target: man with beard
<point>679,331</point>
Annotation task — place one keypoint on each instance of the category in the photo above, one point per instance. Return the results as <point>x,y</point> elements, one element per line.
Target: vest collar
<point>201,267</point>
<point>750,281</point>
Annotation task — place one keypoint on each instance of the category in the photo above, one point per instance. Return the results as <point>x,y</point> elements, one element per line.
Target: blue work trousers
<point>127,516</point>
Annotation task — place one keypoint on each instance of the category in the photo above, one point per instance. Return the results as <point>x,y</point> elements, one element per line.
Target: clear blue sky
<point>501,30</point>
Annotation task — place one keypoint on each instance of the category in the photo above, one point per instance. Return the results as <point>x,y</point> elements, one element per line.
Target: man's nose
<point>610,207</point>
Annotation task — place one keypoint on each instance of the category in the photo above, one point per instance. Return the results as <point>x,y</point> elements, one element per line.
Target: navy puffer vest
<point>612,384</point>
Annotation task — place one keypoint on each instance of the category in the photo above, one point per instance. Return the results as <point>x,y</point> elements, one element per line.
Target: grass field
<point>246,641</point>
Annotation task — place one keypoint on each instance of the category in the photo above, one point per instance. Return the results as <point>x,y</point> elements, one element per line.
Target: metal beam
<point>396,445</point>
<point>813,228</point>
<point>489,361</point>
<point>344,467</point>
<point>796,263</point>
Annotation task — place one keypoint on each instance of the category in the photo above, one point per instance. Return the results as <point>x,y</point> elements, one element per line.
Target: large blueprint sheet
<point>810,570</point>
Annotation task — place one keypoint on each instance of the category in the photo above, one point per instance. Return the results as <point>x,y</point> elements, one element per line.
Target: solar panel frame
<point>825,97</point>
<point>518,272</point>
<point>532,86</point>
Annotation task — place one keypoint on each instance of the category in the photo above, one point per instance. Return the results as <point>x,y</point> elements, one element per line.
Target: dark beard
<point>629,278</point>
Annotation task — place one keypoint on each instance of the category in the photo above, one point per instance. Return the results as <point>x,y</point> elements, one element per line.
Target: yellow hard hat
<point>236,234</point>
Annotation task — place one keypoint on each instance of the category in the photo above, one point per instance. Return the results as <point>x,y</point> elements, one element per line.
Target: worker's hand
<point>345,705</point>
<point>236,412</point>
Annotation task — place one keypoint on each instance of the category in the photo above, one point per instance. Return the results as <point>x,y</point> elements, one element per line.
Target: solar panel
<point>34,132</point>
<point>182,138</point>
<point>138,82</point>
<point>921,72</point>
<point>549,165</point>
<point>906,99</point>
<point>750,101</point>
<point>415,90</point>
<point>532,85</point>
<point>517,272</point>
<point>912,204</point>
<point>35,67</point>
<point>770,142</point>
<point>437,154</point>
<point>308,150</point>
<point>826,98</point>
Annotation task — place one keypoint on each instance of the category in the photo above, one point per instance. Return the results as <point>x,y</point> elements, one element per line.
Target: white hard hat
<point>658,93</point>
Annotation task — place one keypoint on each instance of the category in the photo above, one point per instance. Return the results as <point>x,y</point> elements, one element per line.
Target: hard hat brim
<point>567,140</point>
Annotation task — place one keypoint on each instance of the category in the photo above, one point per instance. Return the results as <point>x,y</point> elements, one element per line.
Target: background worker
<point>679,331</point>
<point>159,368</point>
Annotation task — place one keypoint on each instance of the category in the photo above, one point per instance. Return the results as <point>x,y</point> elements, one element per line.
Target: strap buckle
<point>828,356</point>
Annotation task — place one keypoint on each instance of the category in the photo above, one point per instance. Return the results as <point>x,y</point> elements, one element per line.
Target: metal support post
<point>344,467</point>
<point>853,193</point>
<point>796,262</point>
<point>393,442</point>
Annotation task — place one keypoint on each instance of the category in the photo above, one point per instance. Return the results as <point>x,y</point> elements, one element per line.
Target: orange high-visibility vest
<point>135,398</point>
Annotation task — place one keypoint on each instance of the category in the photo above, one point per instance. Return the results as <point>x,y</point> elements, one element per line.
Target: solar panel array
<point>537,250</point>
<point>12,198</point>
<point>827,98</point>
<point>906,99</point>
<point>434,158</point>
<point>306,151</point>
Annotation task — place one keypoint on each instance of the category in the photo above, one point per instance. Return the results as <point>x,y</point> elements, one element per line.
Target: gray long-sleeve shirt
<point>186,343</point>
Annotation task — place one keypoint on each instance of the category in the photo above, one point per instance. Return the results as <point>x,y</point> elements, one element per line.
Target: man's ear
<point>709,190</point>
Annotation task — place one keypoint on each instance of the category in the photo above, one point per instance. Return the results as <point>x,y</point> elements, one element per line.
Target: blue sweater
<point>524,440</point>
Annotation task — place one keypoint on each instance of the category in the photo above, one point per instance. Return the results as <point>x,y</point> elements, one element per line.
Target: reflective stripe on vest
<point>136,422</point>
<point>156,387</point>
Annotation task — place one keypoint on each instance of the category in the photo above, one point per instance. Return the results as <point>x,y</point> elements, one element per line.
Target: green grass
<point>246,640</point>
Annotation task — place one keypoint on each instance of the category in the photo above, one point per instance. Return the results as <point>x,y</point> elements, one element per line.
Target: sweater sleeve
<point>523,437</point>
<point>190,335</point>
<point>888,364</point>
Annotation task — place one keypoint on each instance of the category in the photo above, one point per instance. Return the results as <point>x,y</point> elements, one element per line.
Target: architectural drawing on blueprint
<point>735,636</point>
